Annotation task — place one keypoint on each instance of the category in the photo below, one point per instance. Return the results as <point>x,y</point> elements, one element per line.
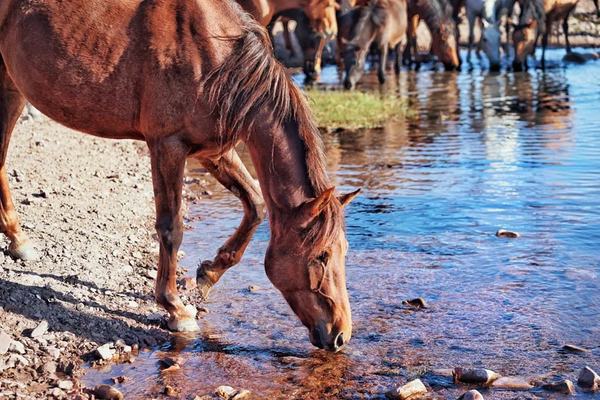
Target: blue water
<point>488,151</point>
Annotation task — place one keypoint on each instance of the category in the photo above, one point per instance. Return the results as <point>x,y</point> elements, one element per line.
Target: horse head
<point>321,14</point>
<point>445,46</point>
<point>524,39</point>
<point>490,43</point>
<point>305,261</point>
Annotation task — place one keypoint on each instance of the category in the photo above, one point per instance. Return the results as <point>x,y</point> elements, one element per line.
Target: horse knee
<point>170,233</point>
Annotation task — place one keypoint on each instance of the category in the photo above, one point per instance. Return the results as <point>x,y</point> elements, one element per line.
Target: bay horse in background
<point>191,79</point>
<point>382,23</point>
<point>437,14</point>
<point>489,42</point>
<point>536,19</point>
<point>317,20</point>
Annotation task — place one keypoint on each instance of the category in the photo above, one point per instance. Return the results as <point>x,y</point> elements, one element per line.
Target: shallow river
<point>488,151</point>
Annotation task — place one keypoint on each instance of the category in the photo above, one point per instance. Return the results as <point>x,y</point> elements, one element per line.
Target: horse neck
<point>282,5</point>
<point>279,157</point>
<point>431,13</point>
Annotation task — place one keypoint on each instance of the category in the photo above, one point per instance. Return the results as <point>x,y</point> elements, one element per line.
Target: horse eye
<point>323,258</point>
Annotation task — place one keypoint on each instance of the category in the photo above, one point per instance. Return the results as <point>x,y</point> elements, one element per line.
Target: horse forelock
<point>251,81</point>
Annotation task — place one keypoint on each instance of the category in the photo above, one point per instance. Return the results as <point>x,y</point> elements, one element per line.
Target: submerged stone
<point>507,234</point>
<point>410,389</point>
<point>107,392</point>
<point>418,302</point>
<point>576,349</point>
<point>512,383</point>
<point>471,395</point>
<point>474,375</point>
<point>565,387</point>
<point>588,379</point>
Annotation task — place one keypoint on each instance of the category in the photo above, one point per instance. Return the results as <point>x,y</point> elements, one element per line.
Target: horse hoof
<point>25,252</point>
<point>203,282</point>
<point>182,324</point>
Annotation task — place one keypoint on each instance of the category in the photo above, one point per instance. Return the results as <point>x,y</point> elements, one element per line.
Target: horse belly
<point>72,75</point>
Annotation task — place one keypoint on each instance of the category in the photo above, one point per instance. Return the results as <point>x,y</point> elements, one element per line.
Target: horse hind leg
<point>233,175</point>
<point>566,30</point>
<point>12,103</point>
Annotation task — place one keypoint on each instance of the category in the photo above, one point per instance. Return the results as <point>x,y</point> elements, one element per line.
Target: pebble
<point>154,317</point>
<point>576,349</point>
<point>188,283</point>
<point>132,304</point>
<point>507,234</point>
<point>565,387</point>
<point>242,394</point>
<point>512,383</point>
<point>65,385</point>
<point>120,379</point>
<point>53,352</point>
<point>225,392</point>
<point>104,352</point>
<point>418,302</point>
<point>588,379</point>
<point>16,347</point>
<point>152,274</point>
<point>410,389</point>
<point>169,391</point>
<point>5,342</point>
<point>107,392</point>
<point>474,375</point>
<point>253,288</point>
<point>471,395</point>
<point>40,329</point>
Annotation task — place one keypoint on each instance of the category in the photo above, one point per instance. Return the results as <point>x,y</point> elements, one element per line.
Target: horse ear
<point>345,199</point>
<point>313,207</point>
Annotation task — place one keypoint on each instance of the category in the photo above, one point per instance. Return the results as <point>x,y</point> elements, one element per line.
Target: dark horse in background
<point>437,14</point>
<point>191,79</point>
<point>316,23</point>
<point>536,19</point>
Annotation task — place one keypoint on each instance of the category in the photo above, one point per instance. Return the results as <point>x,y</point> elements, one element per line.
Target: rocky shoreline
<point>87,203</point>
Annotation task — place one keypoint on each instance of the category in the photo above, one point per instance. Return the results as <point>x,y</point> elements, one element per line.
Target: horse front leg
<point>471,18</point>
<point>11,105</point>
<point>383,52</point>
<point>566,30</point>
<point>167,157</point>
<point>233,175</point>
<point>544,44</point>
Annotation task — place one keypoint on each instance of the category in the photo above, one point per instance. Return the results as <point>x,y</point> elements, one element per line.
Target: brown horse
<point>382,22</point>
<point>437,14</point>
<point>537,17</point>
<point>191,79</point>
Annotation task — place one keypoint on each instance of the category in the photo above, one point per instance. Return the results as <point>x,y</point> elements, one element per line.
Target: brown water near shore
<point>487,151</point>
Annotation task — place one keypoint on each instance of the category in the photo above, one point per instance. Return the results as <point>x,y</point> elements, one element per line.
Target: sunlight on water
<point>488,151</point>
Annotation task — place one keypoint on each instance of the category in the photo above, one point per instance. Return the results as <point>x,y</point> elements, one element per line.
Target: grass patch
<point>354,110</point>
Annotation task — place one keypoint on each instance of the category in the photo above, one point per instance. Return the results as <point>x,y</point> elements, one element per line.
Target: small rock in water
<point>104,352</point>
<point>471,395</point>
<point>404,392</point>
<point>107,392</point>
<point>5,342</point>
<point>40,329</point>
<point>507,234</point>
<point>169,391</point>
<point>65,385</point>
<point>474,375</point>
<point>225,392</point>
<point>565,387</point>
<point>418,302</point>
<point>120,379</point>
<point>588,379</point>
<point>188,283</point>
<point>253,288</point>
<point>576,349</point>
<point>442,372</point>
<point>511,383</point>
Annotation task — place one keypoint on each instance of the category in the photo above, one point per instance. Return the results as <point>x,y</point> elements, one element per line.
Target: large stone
<point>105,352</point>
<point>573,348</point>
<point>40,329</point>
<point>65,385</point>
<point>507,234</point>
<point>474,375</point>
<point>588,379</point>
<point>107,392</point>
<point>511,383</point>
<point>565,387</point>
<point>471,395</point>
<point>225,392</point>
<point>5,342</point>
<point>16,347</point>
<point>410,389</point>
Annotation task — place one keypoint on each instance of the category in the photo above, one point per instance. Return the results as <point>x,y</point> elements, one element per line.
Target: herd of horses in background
<point>364,26</point>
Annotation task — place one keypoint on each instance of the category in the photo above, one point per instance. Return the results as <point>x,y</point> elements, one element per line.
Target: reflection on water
<point>487,151</point>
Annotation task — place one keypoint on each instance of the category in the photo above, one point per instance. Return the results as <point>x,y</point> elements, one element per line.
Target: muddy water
<point>487,151</point>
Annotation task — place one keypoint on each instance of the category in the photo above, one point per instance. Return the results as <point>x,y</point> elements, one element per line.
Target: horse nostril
<point>339,341</point>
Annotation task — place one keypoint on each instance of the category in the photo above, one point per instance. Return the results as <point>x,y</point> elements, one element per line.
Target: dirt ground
<point>88,205</point>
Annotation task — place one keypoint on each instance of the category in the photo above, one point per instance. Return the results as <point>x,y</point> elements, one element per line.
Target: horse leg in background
<point>506,44</point>
<point>597,8</point>
<point>383,52</point>
<point>288,38</point>
<point>411,45</point>
<point>398,59</point>
<point>232,173</point>
<point>545,43</point>
<point>471,18</point>
<point>566,30</point>
<point>167,157</point>
<point>12,103</point>
<point>478,51</point>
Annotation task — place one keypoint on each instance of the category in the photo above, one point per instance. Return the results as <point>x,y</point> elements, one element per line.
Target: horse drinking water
<point>191,78</point>
<point>489,41</point>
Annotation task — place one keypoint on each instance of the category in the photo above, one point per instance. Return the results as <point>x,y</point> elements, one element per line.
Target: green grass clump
<point>355,110</point>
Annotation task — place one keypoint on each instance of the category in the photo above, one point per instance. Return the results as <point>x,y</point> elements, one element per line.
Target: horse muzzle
<point>331,341</point>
